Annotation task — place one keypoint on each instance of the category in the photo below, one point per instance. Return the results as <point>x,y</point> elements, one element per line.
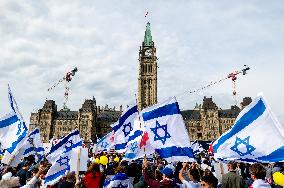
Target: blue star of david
<point>127,129</point>
<point>245,141</point>
<point>157,136</point>
<point>68,144</point>
<point>63,161</point>
<point>134,146</point>
<point>104,145</point>
<point>121,186</point>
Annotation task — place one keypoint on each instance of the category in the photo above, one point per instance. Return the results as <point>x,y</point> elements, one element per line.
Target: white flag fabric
<point>13,130</point>
<point>60,156</point>
<point>138,144</point>
<point>64,145</point>
<point>32,146</point>
<point>83,159</point>
<point>10,130</point>
<point>167,132</point>
<point>196,147</point>
<point>256,136</point>
<point>105,143</point>
<point>120,180</point>
<point>124,127</point>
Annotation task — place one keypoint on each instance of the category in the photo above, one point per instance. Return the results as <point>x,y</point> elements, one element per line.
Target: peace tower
<point>147,79</point>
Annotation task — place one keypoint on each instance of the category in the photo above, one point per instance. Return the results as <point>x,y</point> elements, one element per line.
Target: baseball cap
<point>167,171</point>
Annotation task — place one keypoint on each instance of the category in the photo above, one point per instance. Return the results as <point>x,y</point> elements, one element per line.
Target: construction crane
<point>233,76</point>
<point>67,78</point>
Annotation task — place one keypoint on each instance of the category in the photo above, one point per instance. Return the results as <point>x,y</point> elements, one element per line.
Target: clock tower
<point>147,80</point>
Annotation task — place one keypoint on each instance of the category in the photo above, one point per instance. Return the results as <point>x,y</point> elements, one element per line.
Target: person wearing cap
<point>167,178</point>
<point>232,179</point>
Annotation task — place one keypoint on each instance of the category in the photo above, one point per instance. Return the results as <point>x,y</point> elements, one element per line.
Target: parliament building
<point>205,122</point>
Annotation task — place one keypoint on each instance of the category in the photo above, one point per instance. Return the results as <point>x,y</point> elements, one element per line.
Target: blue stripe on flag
<point>63,141</point>
<point>120,146</point>
<point>124,117</point>
<point>254,113</point>
<point>168,109</point>
<point>36,131</point>
<point>14,144</point>
<point>56,175</point>
<point>31,149</point>
<point>135,135</point>
<point>175,151</point>
<point>275,156</point>
<point>130,155</point>
<point>9,121</point>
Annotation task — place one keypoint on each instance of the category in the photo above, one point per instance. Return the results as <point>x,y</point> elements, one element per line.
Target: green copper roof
<point>148,37</point>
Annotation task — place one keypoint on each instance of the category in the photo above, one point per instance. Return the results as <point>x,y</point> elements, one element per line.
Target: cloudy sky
<point>197,42</point>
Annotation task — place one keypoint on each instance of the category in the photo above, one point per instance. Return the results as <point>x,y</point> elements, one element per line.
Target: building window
<point>199,135</point>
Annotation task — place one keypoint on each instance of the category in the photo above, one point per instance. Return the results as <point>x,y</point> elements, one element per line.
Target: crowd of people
<point>152,172</point>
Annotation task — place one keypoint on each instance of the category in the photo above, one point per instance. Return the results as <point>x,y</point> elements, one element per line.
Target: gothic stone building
<point>90,120</point>
<point>207,122</point>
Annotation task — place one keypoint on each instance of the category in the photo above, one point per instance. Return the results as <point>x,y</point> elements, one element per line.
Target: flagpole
<point>78,165</point>
<point>144,149</point>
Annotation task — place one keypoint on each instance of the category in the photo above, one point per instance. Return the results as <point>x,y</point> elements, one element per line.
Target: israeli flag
<point>13,130</point>
<point>167,132</point>
<point>119,180</point>
<point>196,147</point>
<point>64,145</point>
<point>105,143</point>
<point>60,156</point>
<point>124,127</point>
<point>137,146</point>
<point>32,146</point>
<point>256,136</point>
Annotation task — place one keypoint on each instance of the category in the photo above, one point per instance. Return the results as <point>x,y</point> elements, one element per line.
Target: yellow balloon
<point>278,178</point>
<point>116,159</point>
<point>103,160</point>
<point>97,160</point>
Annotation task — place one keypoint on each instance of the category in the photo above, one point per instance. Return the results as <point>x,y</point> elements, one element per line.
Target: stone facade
<point>90,120</point>
<point>207,122</point>
<point>147,80</point>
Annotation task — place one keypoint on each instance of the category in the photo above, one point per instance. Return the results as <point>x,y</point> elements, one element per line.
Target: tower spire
<point>148,37</point>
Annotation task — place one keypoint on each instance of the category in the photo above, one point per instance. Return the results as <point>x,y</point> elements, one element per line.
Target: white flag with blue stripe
<point>167,132</point>
<point>12,130</point>
<point>124,127</point>
<point>64,145</point>
<point>105,143</point>
<point>120,180</point>
<point>60,155</point>
<point>256,136</point>
<point>32,146</point>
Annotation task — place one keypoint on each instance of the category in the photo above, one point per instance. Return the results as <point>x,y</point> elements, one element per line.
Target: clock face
<point>148,52</point>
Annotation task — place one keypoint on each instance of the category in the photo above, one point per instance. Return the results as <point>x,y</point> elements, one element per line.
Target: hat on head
<point>167,171</point>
